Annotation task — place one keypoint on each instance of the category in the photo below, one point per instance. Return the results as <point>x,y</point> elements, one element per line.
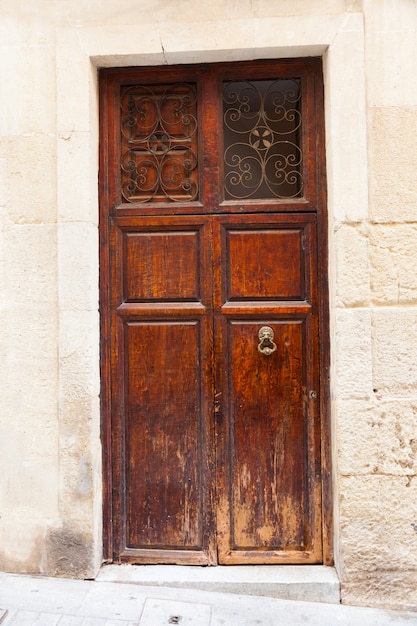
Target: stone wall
<point>50,500</point>
<point>377,297</point>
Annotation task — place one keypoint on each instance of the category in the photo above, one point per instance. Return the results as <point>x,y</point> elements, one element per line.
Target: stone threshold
<point>307,583</point>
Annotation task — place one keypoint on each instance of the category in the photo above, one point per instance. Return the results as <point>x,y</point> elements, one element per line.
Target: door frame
<point>105,120</point>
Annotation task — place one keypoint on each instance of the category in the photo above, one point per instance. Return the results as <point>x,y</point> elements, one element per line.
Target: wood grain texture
<point>162,402</point>
<point>268,437</point>
<point>213,452</point>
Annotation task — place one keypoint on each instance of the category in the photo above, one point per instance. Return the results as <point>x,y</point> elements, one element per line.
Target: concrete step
<point>308,583</point>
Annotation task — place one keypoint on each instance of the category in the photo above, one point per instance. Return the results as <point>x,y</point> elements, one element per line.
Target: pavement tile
<point>157,612</point>
<point>30,618</point>
<point>61,596</point>
<point>113,601</point>
<point>47,619</point>
<point>118,622</point>
<point>79,620</point>
<point>246,611</point>
<point>70,620</point>
<point>20,618</point>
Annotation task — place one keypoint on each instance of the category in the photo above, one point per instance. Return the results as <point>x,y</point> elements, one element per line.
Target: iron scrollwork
<point>262,155</point>
<point>159,143</point>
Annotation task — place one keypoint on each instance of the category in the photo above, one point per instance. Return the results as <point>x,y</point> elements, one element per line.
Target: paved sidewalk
<point>37,601</point>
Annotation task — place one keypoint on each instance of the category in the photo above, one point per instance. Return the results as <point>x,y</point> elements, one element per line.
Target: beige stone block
<point>28,185</point>
<point>79,355</point>
<point>28,431</point>
<point>393,260</point>
<point>31,489</point>
<point>347,163</point>
<point>30,29</point>
<point>345,86</point>
<point>28,397</point>
<point>179,10</point>
<point>378,524</point>
<point>78,266</point>
<point>394,343</point>
<point>73,94</point>
<point>391,589</point>
<point>77,177</point>
<point>112,43</point>
<point>377,437</point>
<point>345,99</point>
<point>70,551</point>
<point>352,265</point>
<point>21,544</point>
<point>141,38</point>
<point>80,490</point>
<point>353,354</point>
<point>77,83</point>
<point>220,55</point>
<point>242,33</point>
<point>28,424</point>
<point>125,12</point>
<point>79,440</point>
<point>390,16</point>
<point>28,103</point>
<point>202,39</point>
<point>394,164</point>
<point>28,355</point>
<point>300,7</point>
<point>391,58</point>
<point>30,275</point>
<point>130,60</point>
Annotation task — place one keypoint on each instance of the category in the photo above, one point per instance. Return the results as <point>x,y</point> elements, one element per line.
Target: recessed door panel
<point>163,435</point>
<point>265,264</point>
<point>268,456</point>
<point>171,259</point>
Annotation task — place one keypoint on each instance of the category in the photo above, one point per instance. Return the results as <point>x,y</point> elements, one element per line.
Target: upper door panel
<point>215,138</point>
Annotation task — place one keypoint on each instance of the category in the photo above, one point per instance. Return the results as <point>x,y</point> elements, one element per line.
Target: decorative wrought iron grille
<point>262,152</point>
<point>159,143</point>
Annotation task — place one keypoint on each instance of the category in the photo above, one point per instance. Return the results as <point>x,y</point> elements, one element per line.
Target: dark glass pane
<point>262,152</point>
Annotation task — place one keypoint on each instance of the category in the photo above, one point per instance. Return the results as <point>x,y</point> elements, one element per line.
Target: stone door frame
<point>80,52</point>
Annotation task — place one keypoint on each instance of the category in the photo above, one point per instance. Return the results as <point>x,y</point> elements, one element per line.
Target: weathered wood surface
<point>212,450</point>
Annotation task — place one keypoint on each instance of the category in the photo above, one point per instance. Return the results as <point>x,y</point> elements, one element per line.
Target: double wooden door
<point>212,428</point>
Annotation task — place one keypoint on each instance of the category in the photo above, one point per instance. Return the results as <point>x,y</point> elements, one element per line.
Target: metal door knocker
<point>266,341</point>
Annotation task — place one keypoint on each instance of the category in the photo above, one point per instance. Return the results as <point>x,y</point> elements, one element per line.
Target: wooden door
<point>268,435</point>
<point>214,439</point>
